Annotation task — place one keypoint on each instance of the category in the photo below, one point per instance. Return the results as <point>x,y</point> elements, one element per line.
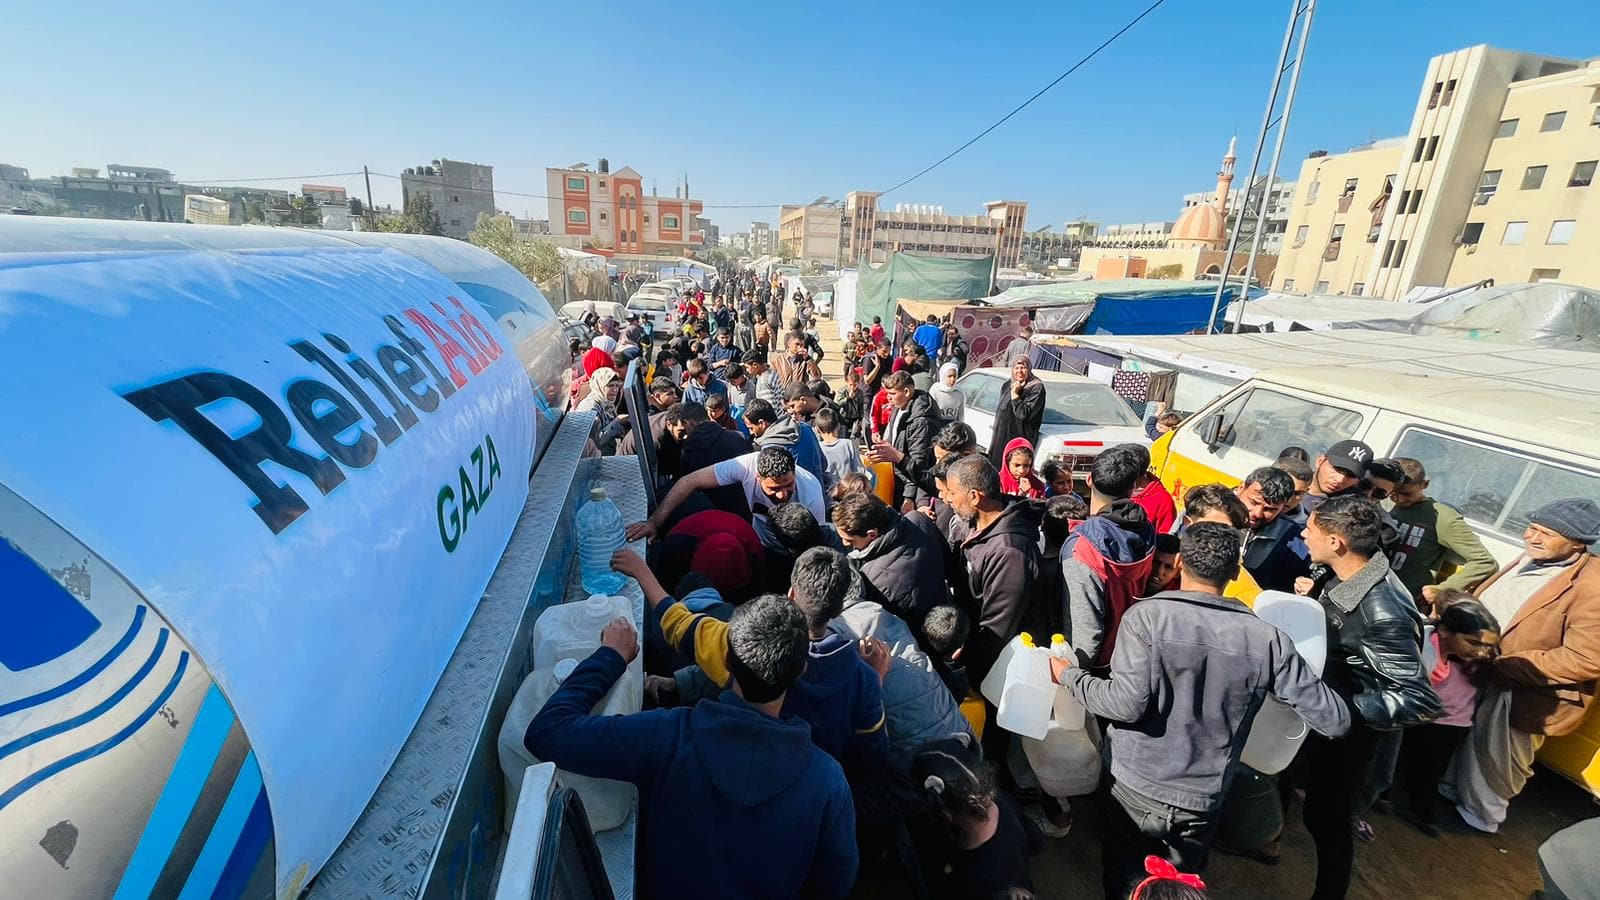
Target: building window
<point>1449,91</point>
<point>1405,200</point>
<point>1582,174</point>
<point>1322,288</point>
<point>602,184</point>
<point>1358,289</point>
<point>1349,186</point>
<point>1312,191</point>
<point>1538,275</point>
<point>1553,121</point>
<point>1433,97</point>
<point>647,218</point>
<point>577,216</point>
<point>1561,231</point>
<point>1416,200</point>
<point>1399,254</point>
<point>1508,127</point>
<point>1433,148</point>
<point>1487,185</point>
<point>1300,235</point>
<point>1416,155</point>
<point>1514,234</point>
<point>602,215</point>
<point>1595,119</point>
<point>1472,233</point>
<point>1533,177</point>
<point>669,221</point>
<point>1388,253</point>
<point>455,198</point>
<point>1288,284</point>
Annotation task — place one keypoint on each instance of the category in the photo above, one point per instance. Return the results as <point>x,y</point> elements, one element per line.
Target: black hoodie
<point>1003,571</point>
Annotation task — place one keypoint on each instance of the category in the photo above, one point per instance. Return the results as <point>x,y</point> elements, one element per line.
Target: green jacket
<point>1432,534</point>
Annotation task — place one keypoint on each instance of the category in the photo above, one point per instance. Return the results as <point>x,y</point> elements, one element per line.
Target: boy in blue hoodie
<point>734,767</point>
<point>838,694</point>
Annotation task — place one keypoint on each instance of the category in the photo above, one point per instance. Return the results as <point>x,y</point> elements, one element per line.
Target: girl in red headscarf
<point>1016,476</point>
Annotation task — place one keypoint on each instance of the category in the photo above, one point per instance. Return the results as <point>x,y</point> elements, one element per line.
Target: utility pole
<point>372,217</point>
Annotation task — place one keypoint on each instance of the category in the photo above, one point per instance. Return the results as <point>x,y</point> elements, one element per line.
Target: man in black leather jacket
<point>1374,661</point>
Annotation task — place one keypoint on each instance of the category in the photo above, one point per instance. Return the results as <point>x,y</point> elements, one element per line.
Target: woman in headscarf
<point>598,356</point>
<point>605,386</point>
<point>1020,412</point>
<point>946,396</point>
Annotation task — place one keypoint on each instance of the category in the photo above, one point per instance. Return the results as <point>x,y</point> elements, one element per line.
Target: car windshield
<point>647,303</point>
<point>1076,403</point>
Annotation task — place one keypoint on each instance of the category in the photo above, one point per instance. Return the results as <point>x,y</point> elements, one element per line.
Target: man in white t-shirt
<point>769,478</point>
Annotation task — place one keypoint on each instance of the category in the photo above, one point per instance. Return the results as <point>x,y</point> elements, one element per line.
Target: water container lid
<point>1057,639</point>
<point>597,493</point>
<point>564,668</point>
<point>1027,639</point>
<point>597,604</point>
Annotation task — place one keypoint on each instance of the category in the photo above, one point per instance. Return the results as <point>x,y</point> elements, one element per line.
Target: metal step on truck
<point>279,509</point>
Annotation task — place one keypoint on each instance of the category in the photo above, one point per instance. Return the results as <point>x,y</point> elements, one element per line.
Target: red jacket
<point>1157,505</point>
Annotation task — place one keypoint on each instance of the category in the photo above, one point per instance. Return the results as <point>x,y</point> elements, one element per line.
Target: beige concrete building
<point>1493,180</point>
<point>874,232</point>
<point>812,232</point>
<point>202,210</point>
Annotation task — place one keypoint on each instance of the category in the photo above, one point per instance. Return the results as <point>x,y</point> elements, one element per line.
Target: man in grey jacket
<point>1189,672</point>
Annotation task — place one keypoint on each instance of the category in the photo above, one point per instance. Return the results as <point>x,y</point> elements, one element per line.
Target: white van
<point>1501,430</point>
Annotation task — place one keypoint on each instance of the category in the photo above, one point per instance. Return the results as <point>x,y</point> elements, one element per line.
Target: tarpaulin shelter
<point>1316,312</point>
<point>906,277</point>
<point>1119,306</point>
<point>1545,315</point>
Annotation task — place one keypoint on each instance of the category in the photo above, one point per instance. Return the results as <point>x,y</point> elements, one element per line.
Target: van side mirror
<point>1211,430</point>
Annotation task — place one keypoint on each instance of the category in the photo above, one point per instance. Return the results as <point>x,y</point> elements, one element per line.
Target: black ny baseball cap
<point>1350,456</point>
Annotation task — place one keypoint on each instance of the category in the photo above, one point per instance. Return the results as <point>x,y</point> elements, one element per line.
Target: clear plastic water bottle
<point>600,534</point>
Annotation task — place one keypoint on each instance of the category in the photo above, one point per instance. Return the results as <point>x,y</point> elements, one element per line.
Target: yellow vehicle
<point>1502,429</point>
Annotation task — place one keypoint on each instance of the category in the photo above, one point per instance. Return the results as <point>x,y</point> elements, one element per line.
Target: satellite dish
<point>819,201</point>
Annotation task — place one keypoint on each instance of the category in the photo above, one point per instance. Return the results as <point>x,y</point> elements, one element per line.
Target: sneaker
<point>1362,830</point>
<point>1048,825</point>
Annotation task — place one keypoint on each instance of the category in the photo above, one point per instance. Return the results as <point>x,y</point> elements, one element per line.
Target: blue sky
<point>758,103</point>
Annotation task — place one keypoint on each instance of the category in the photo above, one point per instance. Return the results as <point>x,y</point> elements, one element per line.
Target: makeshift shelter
<point>1277,312</point>
<point>1119,306</point>
<point>906,277</point>
<point>1542,315</point>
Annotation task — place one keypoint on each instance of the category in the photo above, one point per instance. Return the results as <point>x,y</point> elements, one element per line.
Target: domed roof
<point>1201,223</point>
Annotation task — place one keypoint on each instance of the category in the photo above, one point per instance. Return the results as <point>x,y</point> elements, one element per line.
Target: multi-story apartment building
<point>1495,179</point>
<point>460,191</point>
<point>812,231</point>
<point>763,240</point>
<point>612,215</point>
<point>875,233</point>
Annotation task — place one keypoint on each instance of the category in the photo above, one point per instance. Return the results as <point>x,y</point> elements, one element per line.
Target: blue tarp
<point>1126,306</point>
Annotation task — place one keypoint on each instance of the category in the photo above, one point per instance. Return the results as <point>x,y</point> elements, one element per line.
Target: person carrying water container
<point>1189,671</point>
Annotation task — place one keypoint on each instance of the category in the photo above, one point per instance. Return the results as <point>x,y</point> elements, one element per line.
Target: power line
<point>275,178</point>
<point>1041,92</point>
<point>500,190</point>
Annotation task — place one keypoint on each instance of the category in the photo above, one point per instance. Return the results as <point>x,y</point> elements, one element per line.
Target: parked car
<point>822,303</point>
<point>663,312</point>
<point>1081,415</point>
<point>656,290</point>
<point>574,311</point>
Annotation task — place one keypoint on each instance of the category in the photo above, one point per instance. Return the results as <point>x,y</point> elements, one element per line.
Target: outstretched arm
<point>701,480</point>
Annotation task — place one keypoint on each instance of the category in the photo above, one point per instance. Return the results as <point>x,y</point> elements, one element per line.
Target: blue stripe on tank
<point>95,712</point>
<point>91,752</point>
<point>246,854</point>
<point>178,797</point>
<point>225,832</point>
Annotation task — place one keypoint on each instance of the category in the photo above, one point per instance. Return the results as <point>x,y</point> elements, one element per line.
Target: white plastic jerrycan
<point>1066,712</point>
<point>994,683</point>
<point>572,630</point>
<point>1029,695</point>
<point>1278,731</point>
<point>607,802</point>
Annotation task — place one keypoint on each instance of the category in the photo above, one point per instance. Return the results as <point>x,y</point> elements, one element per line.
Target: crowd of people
<point>834,571</point>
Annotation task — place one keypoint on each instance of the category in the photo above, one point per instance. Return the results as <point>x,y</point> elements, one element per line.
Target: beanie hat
<point>1576,519</point>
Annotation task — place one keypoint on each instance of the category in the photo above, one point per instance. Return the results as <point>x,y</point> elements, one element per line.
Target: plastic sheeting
<point>1544,315</point>
<point>1316,312</point>
<point>906,277</point>
<point>1124,305</point>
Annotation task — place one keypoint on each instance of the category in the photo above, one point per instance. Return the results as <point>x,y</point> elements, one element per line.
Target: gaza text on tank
<point>255,497</point>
